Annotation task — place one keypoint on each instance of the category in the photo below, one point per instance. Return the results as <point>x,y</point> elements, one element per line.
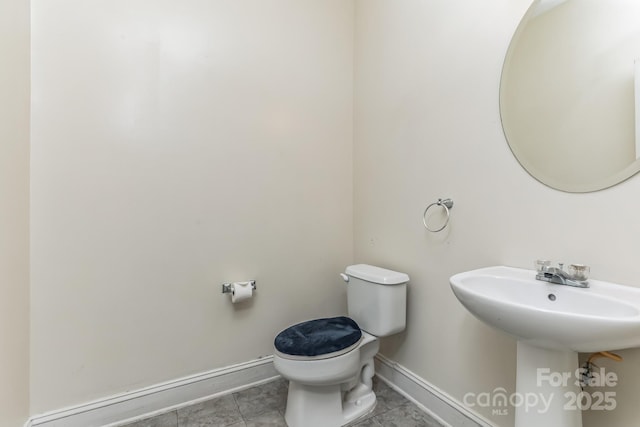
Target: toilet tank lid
<point>375,274</point>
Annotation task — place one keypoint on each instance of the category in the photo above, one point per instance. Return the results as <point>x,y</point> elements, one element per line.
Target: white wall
<point>14,212</point>
<point>176,146</point>
<point>428,126</point>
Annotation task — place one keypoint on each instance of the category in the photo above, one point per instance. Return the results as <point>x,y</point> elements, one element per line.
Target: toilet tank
<point>377,299</point>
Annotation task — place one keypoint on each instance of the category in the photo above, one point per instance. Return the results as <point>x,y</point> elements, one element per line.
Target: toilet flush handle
<point>344,277</point>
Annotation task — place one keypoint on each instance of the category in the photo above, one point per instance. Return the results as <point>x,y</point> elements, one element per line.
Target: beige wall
<point>426,126</point>
<point>176,146</point>
<point>14,213</point>
<point>182,145</point>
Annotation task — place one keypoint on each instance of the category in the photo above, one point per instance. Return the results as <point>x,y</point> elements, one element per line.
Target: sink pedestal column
<point>546,388</point>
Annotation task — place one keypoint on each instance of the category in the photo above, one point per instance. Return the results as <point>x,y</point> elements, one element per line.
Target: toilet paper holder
<point>227,288</point>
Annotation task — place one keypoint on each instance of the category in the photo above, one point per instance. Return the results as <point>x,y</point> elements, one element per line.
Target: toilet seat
<point>324,371</point>
<point>321,356</point>
<point>318,339</point>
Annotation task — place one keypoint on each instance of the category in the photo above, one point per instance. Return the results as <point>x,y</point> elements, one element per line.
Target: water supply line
<point>586,373</point>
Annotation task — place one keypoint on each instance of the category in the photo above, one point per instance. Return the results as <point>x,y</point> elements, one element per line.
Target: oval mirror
<point>569,89</point>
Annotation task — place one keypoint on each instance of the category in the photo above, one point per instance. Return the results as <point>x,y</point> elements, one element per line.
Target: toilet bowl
<point>329,361</point>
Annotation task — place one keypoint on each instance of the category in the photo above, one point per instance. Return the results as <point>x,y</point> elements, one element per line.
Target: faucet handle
<point>579,271</point>
<point>542,265</point>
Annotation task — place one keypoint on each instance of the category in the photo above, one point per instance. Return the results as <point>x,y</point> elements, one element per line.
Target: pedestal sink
<point>552,323</point>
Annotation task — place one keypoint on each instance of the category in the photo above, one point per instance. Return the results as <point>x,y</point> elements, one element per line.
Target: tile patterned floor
<point>264,405</point>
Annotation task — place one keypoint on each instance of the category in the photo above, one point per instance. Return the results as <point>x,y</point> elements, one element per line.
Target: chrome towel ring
<point>446,204</point>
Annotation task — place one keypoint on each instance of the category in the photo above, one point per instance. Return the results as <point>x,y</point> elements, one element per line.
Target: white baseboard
<point>132,406</point>
<point>430,398</point>
<point>128,407</point>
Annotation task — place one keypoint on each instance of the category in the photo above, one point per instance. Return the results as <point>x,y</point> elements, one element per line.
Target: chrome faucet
<point>576,276</point>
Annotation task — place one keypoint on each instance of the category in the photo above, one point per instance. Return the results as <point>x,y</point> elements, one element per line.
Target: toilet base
<point>321,394</point>
<point>323,406</point>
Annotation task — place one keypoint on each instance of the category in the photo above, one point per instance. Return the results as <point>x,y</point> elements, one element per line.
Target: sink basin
<point>552,323</point>
<point>605,316</point>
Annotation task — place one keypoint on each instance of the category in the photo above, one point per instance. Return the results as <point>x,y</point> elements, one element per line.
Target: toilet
<point>329,361</point>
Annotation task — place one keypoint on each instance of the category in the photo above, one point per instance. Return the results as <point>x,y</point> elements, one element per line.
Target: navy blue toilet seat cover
<point>318,337</point>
